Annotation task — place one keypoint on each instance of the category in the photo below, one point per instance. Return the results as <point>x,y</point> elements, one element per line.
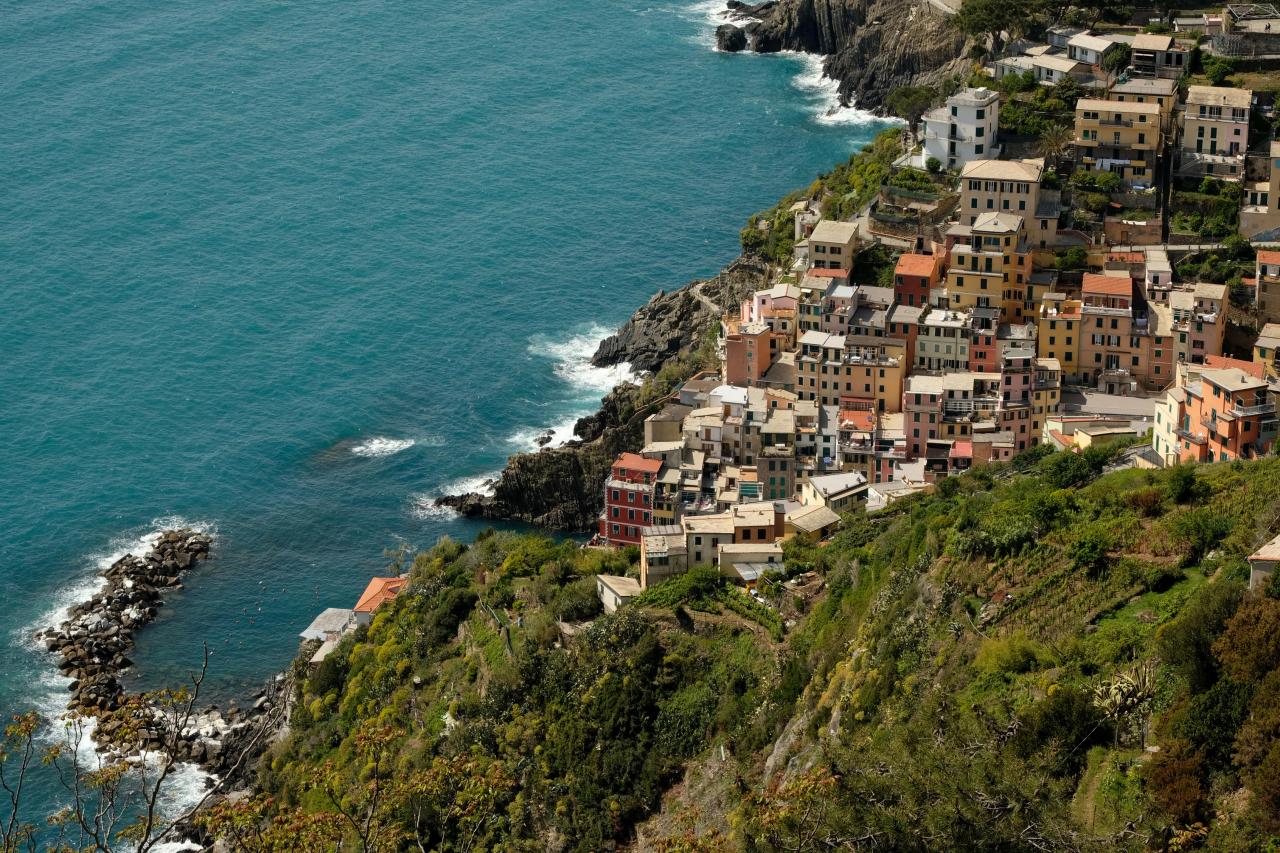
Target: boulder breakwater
<point>94,644</point>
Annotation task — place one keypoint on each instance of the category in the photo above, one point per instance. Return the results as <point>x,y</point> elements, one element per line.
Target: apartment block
<point>1119,137</point>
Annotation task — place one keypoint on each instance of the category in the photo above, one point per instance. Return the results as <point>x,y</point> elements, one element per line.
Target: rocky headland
<point>560,488</point>
<point>94,643</point>
<point>871,46</point>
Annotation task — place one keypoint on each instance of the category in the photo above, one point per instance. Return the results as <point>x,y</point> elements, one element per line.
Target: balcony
<point>1193,437</point>
<point>1116,122</point>
<point>1248,411</point>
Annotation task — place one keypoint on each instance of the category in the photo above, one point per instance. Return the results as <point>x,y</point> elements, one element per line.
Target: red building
<point>914,276</point>
<point>628,499</point>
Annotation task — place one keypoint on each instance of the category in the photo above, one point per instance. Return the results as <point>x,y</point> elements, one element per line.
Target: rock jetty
<point>95,641</point>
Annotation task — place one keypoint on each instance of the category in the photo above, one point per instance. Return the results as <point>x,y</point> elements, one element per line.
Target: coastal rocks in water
<point>740,10</point>
<point>872,46</point>
<point>562,487</point>
<point>672,322</point>
<point>544,438</point>
<point>731,38</point>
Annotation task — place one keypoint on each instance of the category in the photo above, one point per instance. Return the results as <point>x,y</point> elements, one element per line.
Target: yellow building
<point>1119,137</point>
<point>1046,394</point>
<point>830,368</point>
<point>832,245</point>
<point>990,264</point>
<point>1266,350</point>
<point>1058,332</point>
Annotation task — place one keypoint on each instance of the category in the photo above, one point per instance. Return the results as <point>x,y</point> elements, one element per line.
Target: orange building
<point>1227,414</point>
<point>914,277</point>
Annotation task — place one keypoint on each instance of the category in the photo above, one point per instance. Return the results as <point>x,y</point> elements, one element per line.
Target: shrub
<point>1175,782</point>
<point>1147,502</point>
<point>1089,551</point>
<point>1187,642</point>
<point>934,165</point>
<point>1013,654</point>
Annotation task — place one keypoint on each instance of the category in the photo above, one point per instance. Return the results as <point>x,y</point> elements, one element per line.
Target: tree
<point>1116,59</point>
<point>991,19</point>
<point>1054,142</point>
<point>1249,648</point>
<point>911,103</point>
<point>1218,69</point>
<point>934,165</point>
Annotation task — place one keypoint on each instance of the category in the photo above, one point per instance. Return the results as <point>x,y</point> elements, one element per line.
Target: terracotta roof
<point>1269,257</point>
<point>859,419</point>
<point>1127,257</point>
<point>1222,362</point>
<point>923,266</point>
<point>634,461</point>
<point>820,273</point>
<point>1108,285</point>
<point>962,450</point>
<point>379,592</point>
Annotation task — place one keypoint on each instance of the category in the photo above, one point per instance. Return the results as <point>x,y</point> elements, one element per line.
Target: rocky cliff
<point>561,487</point>
<point>872,46</point>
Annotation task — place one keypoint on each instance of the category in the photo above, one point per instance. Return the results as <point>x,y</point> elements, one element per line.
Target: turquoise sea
<point>287,270</point>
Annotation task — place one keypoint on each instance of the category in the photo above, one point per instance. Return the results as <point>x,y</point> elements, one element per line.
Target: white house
<point>1263,562</point>
<point>1050,68</point>
<point>615,591</point>
<point>964,128</point>
<point>1088,49</point>
<point>838,492</point>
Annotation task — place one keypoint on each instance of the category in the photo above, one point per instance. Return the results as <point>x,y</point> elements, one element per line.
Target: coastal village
<point>1112,278</point>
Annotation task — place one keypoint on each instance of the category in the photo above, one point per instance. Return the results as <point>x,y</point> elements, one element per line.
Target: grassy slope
<point>940,688</point>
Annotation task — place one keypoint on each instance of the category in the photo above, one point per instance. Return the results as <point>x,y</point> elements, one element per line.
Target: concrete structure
<point>1262,564</point>
<point>615,592</point>
<point>1215,132</point>
<point>1139,90</point>
<point>1051,69</point>
<point>1267,276</point>
<point>662,554</point>
<point>331,622</point>
<point>1158,56</point>
<point>832,245</point>
<point>838,492</point>
<point>1119,137</point>
<point>1011,186</point>
<point>964,129</point>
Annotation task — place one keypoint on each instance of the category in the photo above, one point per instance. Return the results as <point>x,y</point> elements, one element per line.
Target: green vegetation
<point>1209,209</point>
<point>842,192</point>
<point>1037,656</point>
<point>1033,115</point>
<point>1220,266</point>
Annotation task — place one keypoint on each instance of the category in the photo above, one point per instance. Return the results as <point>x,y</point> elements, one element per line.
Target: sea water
<point>288,271</point>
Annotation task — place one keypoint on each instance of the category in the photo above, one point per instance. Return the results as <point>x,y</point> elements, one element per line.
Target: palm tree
<point>1054,142</point>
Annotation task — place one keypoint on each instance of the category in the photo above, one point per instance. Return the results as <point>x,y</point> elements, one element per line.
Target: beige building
<point>1011,186</point>
<point>1119,137</point>
<point>1260,212</point>
<point>1215,132</point>
<point>832,245</point>
<point>1157,56</point>
<point>1142,90</point>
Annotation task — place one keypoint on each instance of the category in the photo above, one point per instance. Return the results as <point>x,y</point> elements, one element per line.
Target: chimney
<point>779,519</point>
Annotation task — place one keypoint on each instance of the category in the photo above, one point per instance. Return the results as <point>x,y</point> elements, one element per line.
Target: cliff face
<point>561,487</point>
<point>673,322</point>
<point>872,46</point>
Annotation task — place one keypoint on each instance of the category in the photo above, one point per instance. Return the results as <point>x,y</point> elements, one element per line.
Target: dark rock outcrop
<point>670,323</point>
<point>872,46</point>
<point>730,38</point>
<point>562,487</point>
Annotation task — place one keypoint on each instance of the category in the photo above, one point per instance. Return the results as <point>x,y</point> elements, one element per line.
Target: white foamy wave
<point>572,357</point>
<point>91,583</point>
<point>709,14</point>
<point>528,439</point>
<point>823,94</point>
<point>423,506</point>
<point>382,446</point>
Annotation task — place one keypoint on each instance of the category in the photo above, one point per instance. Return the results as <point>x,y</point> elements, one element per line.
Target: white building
<point>963,129</point>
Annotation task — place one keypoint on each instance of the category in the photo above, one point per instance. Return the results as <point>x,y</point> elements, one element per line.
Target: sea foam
<point>572,356</point>
<point>382,446</point>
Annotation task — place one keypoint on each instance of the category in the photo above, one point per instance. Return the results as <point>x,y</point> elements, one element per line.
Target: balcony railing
<point>1193,437</point>
<point>1259,409</point>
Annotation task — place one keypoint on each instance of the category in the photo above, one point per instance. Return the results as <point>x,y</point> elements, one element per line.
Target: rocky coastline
<point>871,46</point>
<point>560,488</point>
<point>95,640</point>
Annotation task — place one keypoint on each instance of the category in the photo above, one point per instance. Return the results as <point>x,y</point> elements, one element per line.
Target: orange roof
<point>962,450</point>
<point>860,419</point>
<point>1249,282</point>
<point>1127,257</point>
<point>636,462</point>
<point>1108,285</point>
<point>1269,257</point>
<point>1219,362</point>
<point>817,273</point>
<point>924,266</point>
<point>379,592</point>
